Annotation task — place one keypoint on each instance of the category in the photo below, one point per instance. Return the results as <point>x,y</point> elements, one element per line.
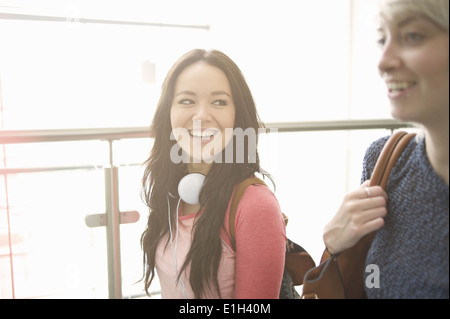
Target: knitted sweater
<point>412,249</point>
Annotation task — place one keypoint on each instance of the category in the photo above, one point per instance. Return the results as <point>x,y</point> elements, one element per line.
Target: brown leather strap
<point>239,192</point>
<point>388,157</point>
<point>335,276</point>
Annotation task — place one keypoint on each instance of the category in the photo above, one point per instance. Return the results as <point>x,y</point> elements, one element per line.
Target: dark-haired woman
<point>204,110</point>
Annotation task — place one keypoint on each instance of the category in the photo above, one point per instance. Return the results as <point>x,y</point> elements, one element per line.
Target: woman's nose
<point>202,113</point>
<point>390,58</point>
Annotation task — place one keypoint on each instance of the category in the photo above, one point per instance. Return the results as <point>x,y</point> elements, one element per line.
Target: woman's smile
<point>203,136</point>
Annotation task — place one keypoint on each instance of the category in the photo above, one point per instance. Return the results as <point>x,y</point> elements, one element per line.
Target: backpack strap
<point>239,192</point>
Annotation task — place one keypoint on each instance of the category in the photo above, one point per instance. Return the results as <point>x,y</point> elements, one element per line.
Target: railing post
<point>113,229</point>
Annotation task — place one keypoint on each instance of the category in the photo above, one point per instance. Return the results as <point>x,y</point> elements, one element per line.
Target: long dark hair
<point>162,176</point>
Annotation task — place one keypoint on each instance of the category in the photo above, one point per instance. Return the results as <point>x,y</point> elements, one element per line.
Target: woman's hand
<point>362,212</point>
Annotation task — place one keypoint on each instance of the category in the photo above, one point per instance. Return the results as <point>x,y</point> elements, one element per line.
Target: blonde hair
<point>435,10</point>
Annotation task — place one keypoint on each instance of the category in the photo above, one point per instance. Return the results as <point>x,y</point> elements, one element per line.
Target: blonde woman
<point>411,246</point>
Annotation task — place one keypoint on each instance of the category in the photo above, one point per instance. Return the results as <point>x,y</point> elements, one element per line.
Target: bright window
<point>102,65</point>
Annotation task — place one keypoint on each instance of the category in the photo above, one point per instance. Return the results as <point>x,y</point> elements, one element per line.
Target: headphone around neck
<point>189,189</point>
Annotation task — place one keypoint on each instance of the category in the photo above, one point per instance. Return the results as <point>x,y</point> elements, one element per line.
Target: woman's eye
<point>381,42</point>
<point>186,102</point>
<point>413,38</point>
<point>220,103</point>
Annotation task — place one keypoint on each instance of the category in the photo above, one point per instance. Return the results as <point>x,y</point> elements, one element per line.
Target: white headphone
<point>190,187</point>
<point>189,190</point>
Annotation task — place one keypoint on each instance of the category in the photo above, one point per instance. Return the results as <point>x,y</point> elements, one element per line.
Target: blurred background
<point>79,83</point>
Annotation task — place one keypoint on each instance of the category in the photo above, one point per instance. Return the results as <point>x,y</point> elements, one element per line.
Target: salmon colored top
<point>254,271</point>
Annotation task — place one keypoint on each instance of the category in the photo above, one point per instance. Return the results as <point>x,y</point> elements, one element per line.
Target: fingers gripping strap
<point>239,192</point>
<point>350,263</point>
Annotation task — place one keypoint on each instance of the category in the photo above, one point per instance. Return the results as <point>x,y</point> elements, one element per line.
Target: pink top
<point>254,271</point>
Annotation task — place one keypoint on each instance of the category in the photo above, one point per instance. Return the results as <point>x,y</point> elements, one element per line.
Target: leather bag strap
<point>340,275</point>
<point>238,193</point>
<point>388,157</point>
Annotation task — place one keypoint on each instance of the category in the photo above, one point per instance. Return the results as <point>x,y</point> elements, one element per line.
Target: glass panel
<point>54,253</point>
<point>132,151</point>
<point>79,153</point>
<point>130,155</point>
<point>312,172</point>
<point>130,234</point>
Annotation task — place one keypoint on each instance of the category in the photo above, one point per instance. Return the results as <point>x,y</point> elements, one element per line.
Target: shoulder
<point>255,201</point>
<point>259,211</point>
<point>371,156</point>
<point>259,208</point>
<point>374,151</point>
<point>258,196</point>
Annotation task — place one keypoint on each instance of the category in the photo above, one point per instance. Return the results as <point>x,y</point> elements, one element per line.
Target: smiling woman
<point>204,96</point>
<point>415,65</point>
<point>410,217</point>
<point>204,106</point>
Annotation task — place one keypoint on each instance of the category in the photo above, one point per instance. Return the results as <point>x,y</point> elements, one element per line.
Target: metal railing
<point>79,19</point>
<point>111,134</point>
<point>112,218</point>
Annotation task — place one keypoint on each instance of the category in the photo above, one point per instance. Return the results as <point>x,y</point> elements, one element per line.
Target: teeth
<point>206,133</point>
<point>399,85</point>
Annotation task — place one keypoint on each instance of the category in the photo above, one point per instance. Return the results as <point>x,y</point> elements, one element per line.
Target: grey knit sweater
<point>412,249</point>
